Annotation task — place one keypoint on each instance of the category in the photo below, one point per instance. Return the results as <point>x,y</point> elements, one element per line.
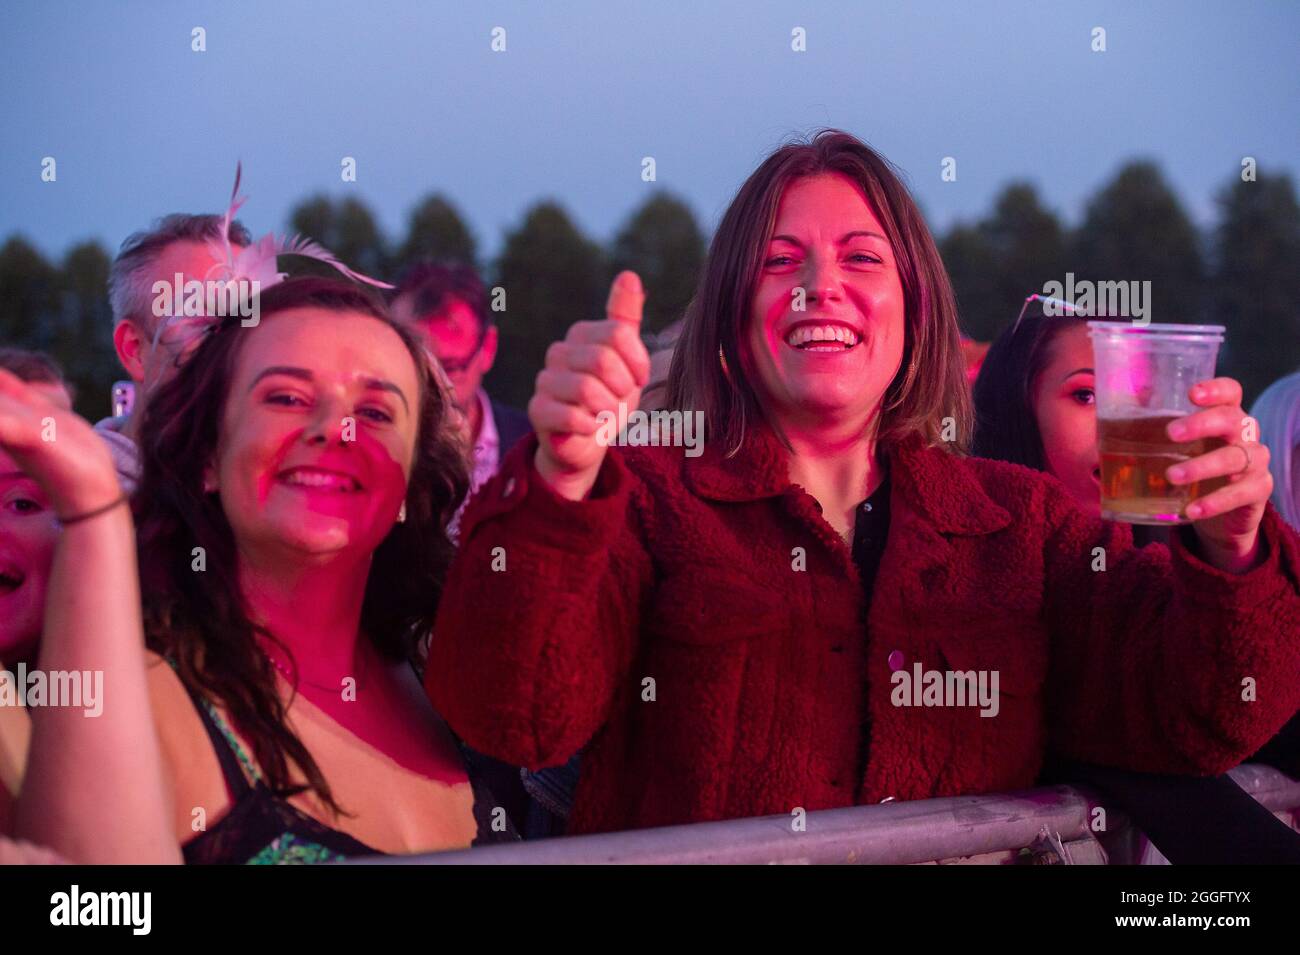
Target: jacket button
<point>896,660</point>
<point>509,487</point>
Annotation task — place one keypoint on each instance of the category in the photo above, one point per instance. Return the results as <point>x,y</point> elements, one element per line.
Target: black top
<point>261,827</point>
<point>870,529</point>
<point>264,828</point>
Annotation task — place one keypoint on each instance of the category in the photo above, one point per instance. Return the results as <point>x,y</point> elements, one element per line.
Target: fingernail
<point>1194,511</point>
<point>1198,392</point>
<point>1177,431</point>
<point>1176,474</point>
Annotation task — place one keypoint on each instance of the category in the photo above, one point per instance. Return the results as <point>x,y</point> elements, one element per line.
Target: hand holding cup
<point>1227,519</point>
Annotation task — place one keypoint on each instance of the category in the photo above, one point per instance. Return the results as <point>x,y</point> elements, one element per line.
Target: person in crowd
<point>1053,429</point>
<point>150,347</point>
<point>660,348</point>
<point>28,529</point>
<point>91,789</point>
<point>1277,410</point>
<point>447,305</point>
<point>1035,406</point>
<point>29,533</point>
<point>298,479</point>
<point>748,631</point>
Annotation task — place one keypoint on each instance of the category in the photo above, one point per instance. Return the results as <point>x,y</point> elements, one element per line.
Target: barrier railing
<point>993,828</point>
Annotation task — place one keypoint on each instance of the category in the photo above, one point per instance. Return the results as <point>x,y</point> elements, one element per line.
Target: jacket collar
<point>941,486</point>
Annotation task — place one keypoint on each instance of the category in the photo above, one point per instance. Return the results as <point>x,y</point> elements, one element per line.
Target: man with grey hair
<point>148,347</point>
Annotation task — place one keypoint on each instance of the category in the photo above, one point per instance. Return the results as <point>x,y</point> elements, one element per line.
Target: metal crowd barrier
<point>1057,822</point>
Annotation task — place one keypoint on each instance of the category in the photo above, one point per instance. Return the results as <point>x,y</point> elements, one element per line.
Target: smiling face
<point>1065,407</point>
<point>834,358</point>
<point>28,536</point>
<point>318,435</point>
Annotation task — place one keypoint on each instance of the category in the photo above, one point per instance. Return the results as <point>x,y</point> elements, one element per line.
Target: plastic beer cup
<point>1143,376</point>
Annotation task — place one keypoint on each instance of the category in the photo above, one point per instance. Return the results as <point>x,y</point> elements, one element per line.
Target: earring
<point>401,514</point>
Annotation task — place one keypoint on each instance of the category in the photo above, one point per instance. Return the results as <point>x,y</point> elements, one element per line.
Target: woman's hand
<point>597,367</point>
<point>56,448</point>
<point>1226,520</point>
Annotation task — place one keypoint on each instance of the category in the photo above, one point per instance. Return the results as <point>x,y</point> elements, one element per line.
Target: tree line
<point>1242,272</point>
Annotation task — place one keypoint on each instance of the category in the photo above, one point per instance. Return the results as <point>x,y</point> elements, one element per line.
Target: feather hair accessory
<point>255,264</point>
<point>257,260</point>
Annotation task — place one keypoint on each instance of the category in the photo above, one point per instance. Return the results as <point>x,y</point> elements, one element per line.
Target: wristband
<point>76,518</point>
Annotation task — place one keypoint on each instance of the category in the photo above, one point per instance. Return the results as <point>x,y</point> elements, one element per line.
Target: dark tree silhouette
<point>662,243</point>
<point>1256,292</point>
<point>1005,257</point>
<point>85,345</point>
<point>435,231</point>
<point>347,228</point>
<point>552,276</point>
<point>1136,229</point>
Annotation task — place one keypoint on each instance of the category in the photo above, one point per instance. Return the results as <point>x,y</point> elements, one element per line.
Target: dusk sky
<point>141,125</point>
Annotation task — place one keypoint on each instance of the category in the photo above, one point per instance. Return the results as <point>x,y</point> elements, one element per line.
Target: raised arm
<point>93,790</point>
<point>538,621</point>
<point>1161,661</point>
<point>1185,660</point>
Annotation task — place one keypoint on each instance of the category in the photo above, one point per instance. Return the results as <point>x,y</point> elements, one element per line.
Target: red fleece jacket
<point>769,694</point>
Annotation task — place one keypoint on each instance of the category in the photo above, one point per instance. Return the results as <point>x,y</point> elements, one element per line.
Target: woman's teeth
<point>822,338</point>
<point>323,480</point>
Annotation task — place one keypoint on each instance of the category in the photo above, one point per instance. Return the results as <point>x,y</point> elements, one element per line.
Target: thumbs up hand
<point>598,366</point>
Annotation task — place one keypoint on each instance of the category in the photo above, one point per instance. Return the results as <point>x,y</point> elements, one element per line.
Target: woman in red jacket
<point>832,604</point>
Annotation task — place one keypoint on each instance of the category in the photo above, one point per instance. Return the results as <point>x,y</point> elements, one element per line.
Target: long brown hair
<point>199,621</point>
<point>930,385</point>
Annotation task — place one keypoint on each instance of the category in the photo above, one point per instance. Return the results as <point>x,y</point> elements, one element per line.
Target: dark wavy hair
<point>931,382</point>
<point>1006,426</point>
<point>199,621</point>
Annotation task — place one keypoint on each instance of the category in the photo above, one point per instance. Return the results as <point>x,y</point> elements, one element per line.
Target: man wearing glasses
<point>447,305</point>
<point>150,348</point>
